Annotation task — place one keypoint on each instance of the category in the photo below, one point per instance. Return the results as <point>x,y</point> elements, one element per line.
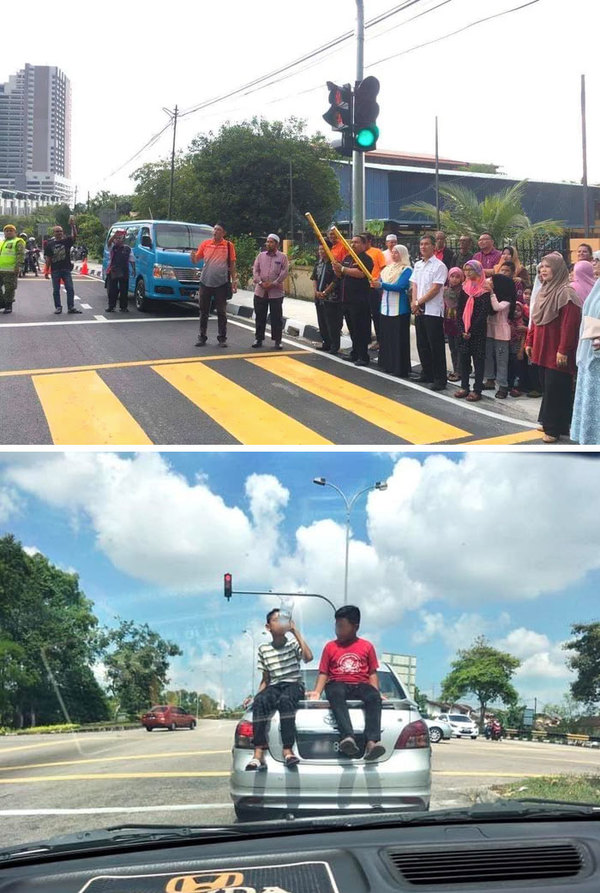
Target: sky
<point>499,544</point>
<point>506,91</point>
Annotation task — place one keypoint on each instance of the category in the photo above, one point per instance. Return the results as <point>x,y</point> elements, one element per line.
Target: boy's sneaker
<point>349,747</point>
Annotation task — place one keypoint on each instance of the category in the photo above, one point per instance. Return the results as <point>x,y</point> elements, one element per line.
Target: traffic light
<point>339,115</point>
<point>227,583</point>
<point>366,110</point>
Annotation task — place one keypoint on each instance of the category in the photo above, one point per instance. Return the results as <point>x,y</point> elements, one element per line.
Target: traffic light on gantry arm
<point>366,110</point>
<point>227,585</point>
<point>339,114</point>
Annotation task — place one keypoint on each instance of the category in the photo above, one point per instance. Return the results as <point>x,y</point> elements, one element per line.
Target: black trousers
<point>330,315</point>
<point>273,306</point>
<point>557,401</point>
<point>118,288</point>
<point>431,345</point>
<point>282,697</point>
<point>338,693</point>
<point>359,325</point>
<point>472,348</point>
<point>219,293</point>
<point>375,308</point>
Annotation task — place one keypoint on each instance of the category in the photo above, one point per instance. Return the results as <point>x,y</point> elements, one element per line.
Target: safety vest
<point>8,254</point>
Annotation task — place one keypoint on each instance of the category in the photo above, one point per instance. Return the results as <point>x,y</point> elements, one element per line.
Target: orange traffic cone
<point>84,268</point>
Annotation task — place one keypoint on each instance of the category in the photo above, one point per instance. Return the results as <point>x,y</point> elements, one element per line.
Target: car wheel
<point>148,728</point>
<point>142,303</point>
<point>474,737</point>
<point>435,735</point>
<point>192,726</point>
<point>172,727</point>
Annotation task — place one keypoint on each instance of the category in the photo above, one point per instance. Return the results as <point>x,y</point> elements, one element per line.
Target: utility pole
<point>75,199</point>
<point>291,203</point>
<point>586,201</point>
<point>437,176</point>
<point>358,158</point>
<point>173,115</point>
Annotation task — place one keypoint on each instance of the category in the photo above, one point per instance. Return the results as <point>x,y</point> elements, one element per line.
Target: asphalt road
<point>134,379</point>
<point>54,784</point>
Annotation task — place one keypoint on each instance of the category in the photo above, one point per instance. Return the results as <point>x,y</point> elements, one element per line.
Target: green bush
<point>40,730</point>
<point>246,249</point>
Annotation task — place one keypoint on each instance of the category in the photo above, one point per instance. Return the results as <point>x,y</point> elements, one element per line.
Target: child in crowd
<point>517,360</point>
<point>452,291</point>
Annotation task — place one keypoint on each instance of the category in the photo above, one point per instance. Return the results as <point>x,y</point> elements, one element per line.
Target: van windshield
<point>181,236</point>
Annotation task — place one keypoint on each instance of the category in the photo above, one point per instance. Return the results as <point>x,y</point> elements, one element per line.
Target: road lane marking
<point>248,418</point>
<point>391,415</point>
<point>103,810</point>
<point>518,437</point>
<point>86,306</point>
<point>131,364</point>
<point>55,743</point>
<point>82,410</point>
<point>143,756</point>
<point>101,776</point>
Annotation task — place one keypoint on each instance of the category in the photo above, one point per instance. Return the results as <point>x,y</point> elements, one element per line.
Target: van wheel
<point>142,303</point>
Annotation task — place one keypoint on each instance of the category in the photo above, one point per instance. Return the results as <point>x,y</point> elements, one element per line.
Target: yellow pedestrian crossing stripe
<point>81,409</point>
<point>406,423</point>
<point>251,420</point>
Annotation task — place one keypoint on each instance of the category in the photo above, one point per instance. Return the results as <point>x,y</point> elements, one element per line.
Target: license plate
<point>324,747</point>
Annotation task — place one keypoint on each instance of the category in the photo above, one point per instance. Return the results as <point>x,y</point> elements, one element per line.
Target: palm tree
<point>501,214</point>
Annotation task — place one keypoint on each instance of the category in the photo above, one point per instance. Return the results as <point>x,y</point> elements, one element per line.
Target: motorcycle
<point>31,262</point>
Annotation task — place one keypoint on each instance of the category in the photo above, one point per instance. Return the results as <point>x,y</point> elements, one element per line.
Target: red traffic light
<point>227,584</point>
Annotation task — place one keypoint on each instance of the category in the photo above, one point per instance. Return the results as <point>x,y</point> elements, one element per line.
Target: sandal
<point>474,397</point>
<point>462,393</point>
<point>374,753</point>
<point>547,438</point>
<point>256,765</point>
<point>501,393</point>
<point>291,760</point>
<point>454,376</point>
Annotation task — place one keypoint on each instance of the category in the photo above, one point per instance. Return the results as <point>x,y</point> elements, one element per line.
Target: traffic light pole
<point>358,158</point>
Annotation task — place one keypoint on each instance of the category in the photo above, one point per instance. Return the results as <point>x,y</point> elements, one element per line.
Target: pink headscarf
<point>456,270</point>
<point>474,288</point>
<point>583,278</point>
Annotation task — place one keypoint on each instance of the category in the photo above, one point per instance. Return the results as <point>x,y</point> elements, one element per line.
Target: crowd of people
<point>503,333</point>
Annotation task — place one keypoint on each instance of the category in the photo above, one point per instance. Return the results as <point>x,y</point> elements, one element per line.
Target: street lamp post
<point>349,503</point>
<point>222,688</point>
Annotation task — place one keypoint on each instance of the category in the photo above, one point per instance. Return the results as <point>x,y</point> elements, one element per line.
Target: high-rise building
<point>35,132</point>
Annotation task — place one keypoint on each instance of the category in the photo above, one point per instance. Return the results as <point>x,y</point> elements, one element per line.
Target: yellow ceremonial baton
<point>319,236</point>
<point>353,254</point>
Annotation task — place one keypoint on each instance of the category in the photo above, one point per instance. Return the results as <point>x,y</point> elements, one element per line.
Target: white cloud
<point>457,632</point>
<point>31,550</point>
<point>8,504</point>
<point>449,531</point>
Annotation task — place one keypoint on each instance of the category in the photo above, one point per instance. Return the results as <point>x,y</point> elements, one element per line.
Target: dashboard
<point>483,855</point>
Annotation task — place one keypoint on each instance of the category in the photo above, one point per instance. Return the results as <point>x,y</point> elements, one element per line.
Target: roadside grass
<point>575,788</point>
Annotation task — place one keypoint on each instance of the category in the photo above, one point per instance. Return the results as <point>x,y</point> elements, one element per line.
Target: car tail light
<point>415,734</point>
<point>244,733</point>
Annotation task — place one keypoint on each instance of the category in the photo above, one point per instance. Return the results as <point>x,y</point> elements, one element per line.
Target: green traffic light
<point>367,137</point>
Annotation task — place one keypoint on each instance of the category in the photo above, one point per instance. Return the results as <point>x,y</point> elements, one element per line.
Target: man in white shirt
<point>391,240</point>
<point>428,280</point>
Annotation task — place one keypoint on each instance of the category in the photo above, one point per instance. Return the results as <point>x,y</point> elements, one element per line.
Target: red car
<point>168,717</point>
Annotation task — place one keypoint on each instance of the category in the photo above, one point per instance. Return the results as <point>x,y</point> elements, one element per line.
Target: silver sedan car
<point>439,730</point>
<point>326,780</point>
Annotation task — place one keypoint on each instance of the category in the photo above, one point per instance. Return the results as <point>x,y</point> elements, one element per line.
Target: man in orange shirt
<point>337,247</point>
<point>219,267</point>
<point>379,263</point>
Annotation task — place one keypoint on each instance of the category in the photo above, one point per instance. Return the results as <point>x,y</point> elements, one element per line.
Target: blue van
<point>163,267</point>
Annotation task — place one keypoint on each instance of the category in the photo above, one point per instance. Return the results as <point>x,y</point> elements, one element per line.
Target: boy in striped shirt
<point>280,689</point>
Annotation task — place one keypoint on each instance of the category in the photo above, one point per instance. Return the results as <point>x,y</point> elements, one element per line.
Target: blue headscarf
<point>585,352</point>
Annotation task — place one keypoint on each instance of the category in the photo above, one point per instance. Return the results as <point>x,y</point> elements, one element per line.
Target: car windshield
<point>173,622</point>
<point>181,236</point>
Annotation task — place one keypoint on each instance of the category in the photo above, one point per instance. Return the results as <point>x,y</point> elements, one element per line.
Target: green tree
<point>421,701</point>
<point>500,213</point>
<point>241,176</point>
<point>49,634</point>
<point>137,664</point>
<point>246,249</point>
<point>483,671</point>
<point>92,234</point>
<point>585,661</point>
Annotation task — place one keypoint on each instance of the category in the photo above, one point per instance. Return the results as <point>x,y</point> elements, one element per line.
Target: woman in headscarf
<point>583,279</point>
<point>474,307</point>
<point>394,327</point>
<point>511,254</point>
<point>551,344</point>
<point>585,427</point>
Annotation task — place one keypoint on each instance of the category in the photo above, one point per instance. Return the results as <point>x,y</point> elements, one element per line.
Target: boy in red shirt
<point>348,671</point>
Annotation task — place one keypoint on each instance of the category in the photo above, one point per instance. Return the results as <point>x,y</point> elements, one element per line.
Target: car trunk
<point>318,738</point>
